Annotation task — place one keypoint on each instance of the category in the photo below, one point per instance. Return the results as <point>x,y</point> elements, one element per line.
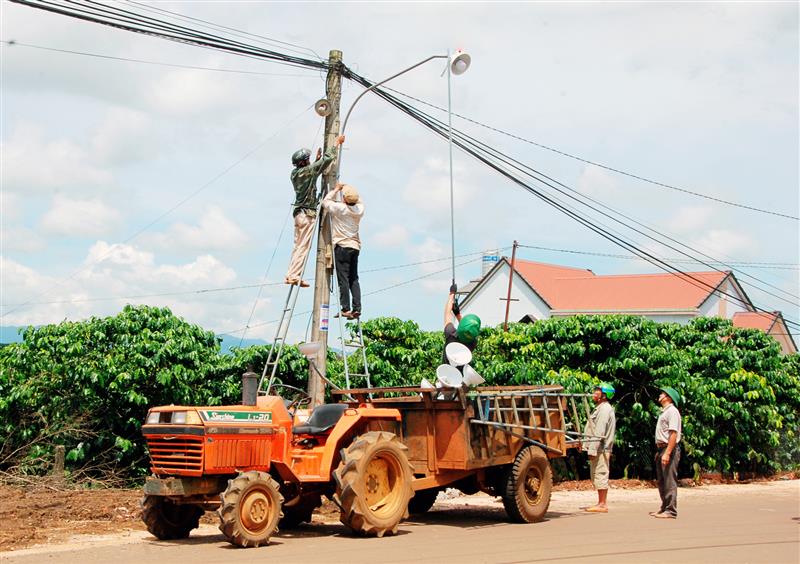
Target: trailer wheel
<point>250,509</point>
<point>168,520</point>
<point>526,493</point>
<point>373,484</point>
<point>294,515</point>
<point>422,501</point>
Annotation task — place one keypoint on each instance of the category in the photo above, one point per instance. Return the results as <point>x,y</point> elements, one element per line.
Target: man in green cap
<point>602,423</point>
<point>668,453</point>
<point>469,326</point>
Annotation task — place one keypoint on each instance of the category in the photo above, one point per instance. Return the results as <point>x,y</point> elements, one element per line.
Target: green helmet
<point>673,394</point>
<point>468,329</point>
<point>607,389</point>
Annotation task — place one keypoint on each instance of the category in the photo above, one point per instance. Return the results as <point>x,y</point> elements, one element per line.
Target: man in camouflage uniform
<point>304,179</point>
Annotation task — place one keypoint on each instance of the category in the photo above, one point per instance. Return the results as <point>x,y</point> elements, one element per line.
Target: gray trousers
<point>667,477</point>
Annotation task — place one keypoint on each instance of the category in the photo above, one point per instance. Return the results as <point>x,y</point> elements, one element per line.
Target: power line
<point>15,43</point>
<point>244,286</point>
<point>487,155</point>
<point>600,165</point>
<point>776,265</point>
<point>384,289</point>
<point>113,16</point>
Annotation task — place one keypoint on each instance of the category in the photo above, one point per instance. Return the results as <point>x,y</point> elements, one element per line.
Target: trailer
<point>498,440</point>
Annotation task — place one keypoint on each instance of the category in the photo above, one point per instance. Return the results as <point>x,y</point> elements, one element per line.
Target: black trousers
<point>347,277</point>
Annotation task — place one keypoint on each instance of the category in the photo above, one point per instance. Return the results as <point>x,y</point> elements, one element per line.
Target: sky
<point>132,182</point>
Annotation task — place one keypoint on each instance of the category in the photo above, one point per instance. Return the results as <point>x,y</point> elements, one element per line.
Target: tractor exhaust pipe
<point>249,388</point>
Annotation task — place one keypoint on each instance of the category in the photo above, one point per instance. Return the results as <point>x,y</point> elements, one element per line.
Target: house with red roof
<point>542,291</point>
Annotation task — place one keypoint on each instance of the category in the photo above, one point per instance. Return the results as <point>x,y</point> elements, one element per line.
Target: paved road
<point>749,523</point>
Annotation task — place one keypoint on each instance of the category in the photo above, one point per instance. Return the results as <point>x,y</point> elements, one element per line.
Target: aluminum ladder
<point>356,342</point>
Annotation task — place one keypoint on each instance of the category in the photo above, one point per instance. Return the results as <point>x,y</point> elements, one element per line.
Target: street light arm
<point>384,81</point>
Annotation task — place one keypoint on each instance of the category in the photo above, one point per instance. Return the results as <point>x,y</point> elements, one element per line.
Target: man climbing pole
<point>469,326</point>
<point>304,179</point>
<point>345,217</point>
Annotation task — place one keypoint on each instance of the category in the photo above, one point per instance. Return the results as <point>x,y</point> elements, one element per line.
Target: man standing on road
<point>469,326</point>
<point>304,179</point>
<point>345,218</point>
<point>668,453</point>
<point>602,423</point>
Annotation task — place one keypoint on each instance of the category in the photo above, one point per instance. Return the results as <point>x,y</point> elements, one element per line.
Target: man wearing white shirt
<point>346,210</point>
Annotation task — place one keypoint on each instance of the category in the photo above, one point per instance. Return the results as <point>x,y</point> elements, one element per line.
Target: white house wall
<point>487,305</point>
<point>721,305</point>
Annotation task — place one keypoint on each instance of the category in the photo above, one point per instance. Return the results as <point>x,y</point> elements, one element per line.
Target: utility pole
<point>508,299</point>
<point>324,264</point>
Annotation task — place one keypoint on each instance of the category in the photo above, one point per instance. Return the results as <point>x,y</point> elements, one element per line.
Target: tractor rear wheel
<point>373,484</point>
<point>422,501</point>
<point>301,512</point>
<point>250,509</point>
<point>168,520</point>
<point>529,482</point>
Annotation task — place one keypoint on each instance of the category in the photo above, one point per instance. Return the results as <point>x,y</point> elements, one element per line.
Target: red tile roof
<point>755,320</point>
<point>572,289</point>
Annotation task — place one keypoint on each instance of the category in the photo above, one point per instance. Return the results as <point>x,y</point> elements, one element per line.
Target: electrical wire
<point>488,158</point>
<point>236,32</point>
<point>123,19</point>
<point>14,43</point>
<point>113,16</point>
<point>776,265</point>
<point>600,165</point>
<point>378,291</point>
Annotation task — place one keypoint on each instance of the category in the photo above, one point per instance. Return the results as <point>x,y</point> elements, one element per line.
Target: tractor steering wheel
<point>298,398</point>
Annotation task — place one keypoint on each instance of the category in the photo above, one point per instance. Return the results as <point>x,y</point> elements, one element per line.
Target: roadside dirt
<point>44,515</point>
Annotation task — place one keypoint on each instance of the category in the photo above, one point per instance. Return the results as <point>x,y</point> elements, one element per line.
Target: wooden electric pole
<point>324,264</point>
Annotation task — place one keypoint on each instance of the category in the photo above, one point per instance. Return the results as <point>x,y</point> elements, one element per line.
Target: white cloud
<point>214,231</point>
<point>21,239</point>
<point>392,236</point>
<point>691,218</point>
<point>428,190</point>
<point>87,218</point>
<point>188,92</point>
<point>123,272</point>
<point>125,135</point>
<point>597,183</point>
<point>725,243</point>
<point>35,160</point>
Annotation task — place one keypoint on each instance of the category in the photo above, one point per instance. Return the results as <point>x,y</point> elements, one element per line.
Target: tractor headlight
<point>153,418</point>
<point>179,417</point>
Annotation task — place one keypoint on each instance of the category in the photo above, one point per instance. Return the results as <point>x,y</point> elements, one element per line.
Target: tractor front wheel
<point>528,484</point>
<point>250,509</point>
<point>373,484</point>
<point>168,520</point>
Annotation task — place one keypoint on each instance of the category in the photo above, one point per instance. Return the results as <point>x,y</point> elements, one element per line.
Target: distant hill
<point>11,334</point>
<point>229,341</point>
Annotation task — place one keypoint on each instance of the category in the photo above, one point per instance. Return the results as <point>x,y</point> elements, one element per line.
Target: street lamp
<point>458,63</point>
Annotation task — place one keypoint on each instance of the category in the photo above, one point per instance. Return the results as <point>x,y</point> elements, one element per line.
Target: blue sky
<point>704,97</point>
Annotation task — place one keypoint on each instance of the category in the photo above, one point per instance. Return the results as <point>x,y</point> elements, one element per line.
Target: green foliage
<point>742,398</point>
<point>87,385</point>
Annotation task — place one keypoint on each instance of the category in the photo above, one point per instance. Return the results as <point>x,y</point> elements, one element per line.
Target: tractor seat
<point>322,419</point>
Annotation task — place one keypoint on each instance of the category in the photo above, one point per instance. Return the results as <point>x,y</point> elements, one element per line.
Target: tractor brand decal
<point>225,416</point>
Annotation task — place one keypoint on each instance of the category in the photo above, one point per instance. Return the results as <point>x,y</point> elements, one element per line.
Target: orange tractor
<point>260,467</point>
<point>378,454</point>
